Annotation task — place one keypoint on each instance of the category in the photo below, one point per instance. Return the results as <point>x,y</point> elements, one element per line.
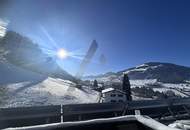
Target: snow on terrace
<point>49,92</point>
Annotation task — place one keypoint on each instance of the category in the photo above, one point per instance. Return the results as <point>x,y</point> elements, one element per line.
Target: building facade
<point>113,95</point>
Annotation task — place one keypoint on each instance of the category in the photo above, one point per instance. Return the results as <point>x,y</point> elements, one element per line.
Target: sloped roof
<point>112,89</point>
<point>108,90</point>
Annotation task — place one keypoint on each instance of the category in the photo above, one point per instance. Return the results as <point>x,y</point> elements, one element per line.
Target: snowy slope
<point>51,91</point>
<point>163,72</point>
<point>22,87</point>
<point>161,77</point>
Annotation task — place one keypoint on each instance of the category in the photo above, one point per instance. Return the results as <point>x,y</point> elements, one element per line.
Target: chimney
<point>127,87</point>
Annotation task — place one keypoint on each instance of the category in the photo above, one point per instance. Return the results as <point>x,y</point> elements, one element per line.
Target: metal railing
<point>27,116</point>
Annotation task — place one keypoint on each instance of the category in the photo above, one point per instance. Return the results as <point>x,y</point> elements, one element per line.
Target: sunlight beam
<point>49,37</point>
<point>62,53</point>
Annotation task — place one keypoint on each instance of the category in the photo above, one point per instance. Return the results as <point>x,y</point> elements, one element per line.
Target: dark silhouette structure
<point>95,84</point>
<point>127,87</point>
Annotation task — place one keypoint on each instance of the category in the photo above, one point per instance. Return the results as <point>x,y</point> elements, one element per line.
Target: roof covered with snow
<point>112,89</point>
<point>108,90</point>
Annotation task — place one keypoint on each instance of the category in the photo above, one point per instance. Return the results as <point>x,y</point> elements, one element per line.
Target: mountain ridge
<point>163,72</point>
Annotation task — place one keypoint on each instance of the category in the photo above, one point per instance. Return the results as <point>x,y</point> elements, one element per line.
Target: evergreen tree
<point>127,87</point>
<point>95,84</point>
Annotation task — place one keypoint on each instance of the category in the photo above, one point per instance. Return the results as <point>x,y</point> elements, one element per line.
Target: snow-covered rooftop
<point>108,90</point>
<point>112,89</point>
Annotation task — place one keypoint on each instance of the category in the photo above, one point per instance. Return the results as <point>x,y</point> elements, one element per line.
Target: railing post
<point>80,117</point>
<point>115,114</point>
<point>61,113</point>
<point>125,109</point>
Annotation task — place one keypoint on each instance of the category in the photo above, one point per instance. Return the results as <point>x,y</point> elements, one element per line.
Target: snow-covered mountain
<point>160,77</point>
<point>29,78</point>
<point>162,72</point>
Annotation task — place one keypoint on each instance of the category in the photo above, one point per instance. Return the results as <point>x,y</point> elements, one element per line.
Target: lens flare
<point>62,53</point>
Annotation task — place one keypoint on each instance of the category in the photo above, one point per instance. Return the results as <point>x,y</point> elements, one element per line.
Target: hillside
<point>49,91</point>
<point>21,87</point>
<point>31,78</point>
<point>151,80</point>
<point>162,72</point>
<point>22,52</point>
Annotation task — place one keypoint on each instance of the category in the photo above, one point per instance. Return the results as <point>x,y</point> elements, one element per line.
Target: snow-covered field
<point>53,91</point>
<point>161,77</point>
<point>141,83</point>
<point>181,89</point>
<point>110,78</point>
<point>48,92</point>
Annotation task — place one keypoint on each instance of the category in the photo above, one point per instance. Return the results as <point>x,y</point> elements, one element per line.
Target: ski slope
<point>50,91</point>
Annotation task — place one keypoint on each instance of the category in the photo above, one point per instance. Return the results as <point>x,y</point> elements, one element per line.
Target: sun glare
<point>62,53</point>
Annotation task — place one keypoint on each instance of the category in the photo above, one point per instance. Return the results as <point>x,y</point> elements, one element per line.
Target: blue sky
<point>129,32</point>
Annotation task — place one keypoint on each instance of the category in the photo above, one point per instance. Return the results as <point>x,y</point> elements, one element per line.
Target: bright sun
<point>62,53</point>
